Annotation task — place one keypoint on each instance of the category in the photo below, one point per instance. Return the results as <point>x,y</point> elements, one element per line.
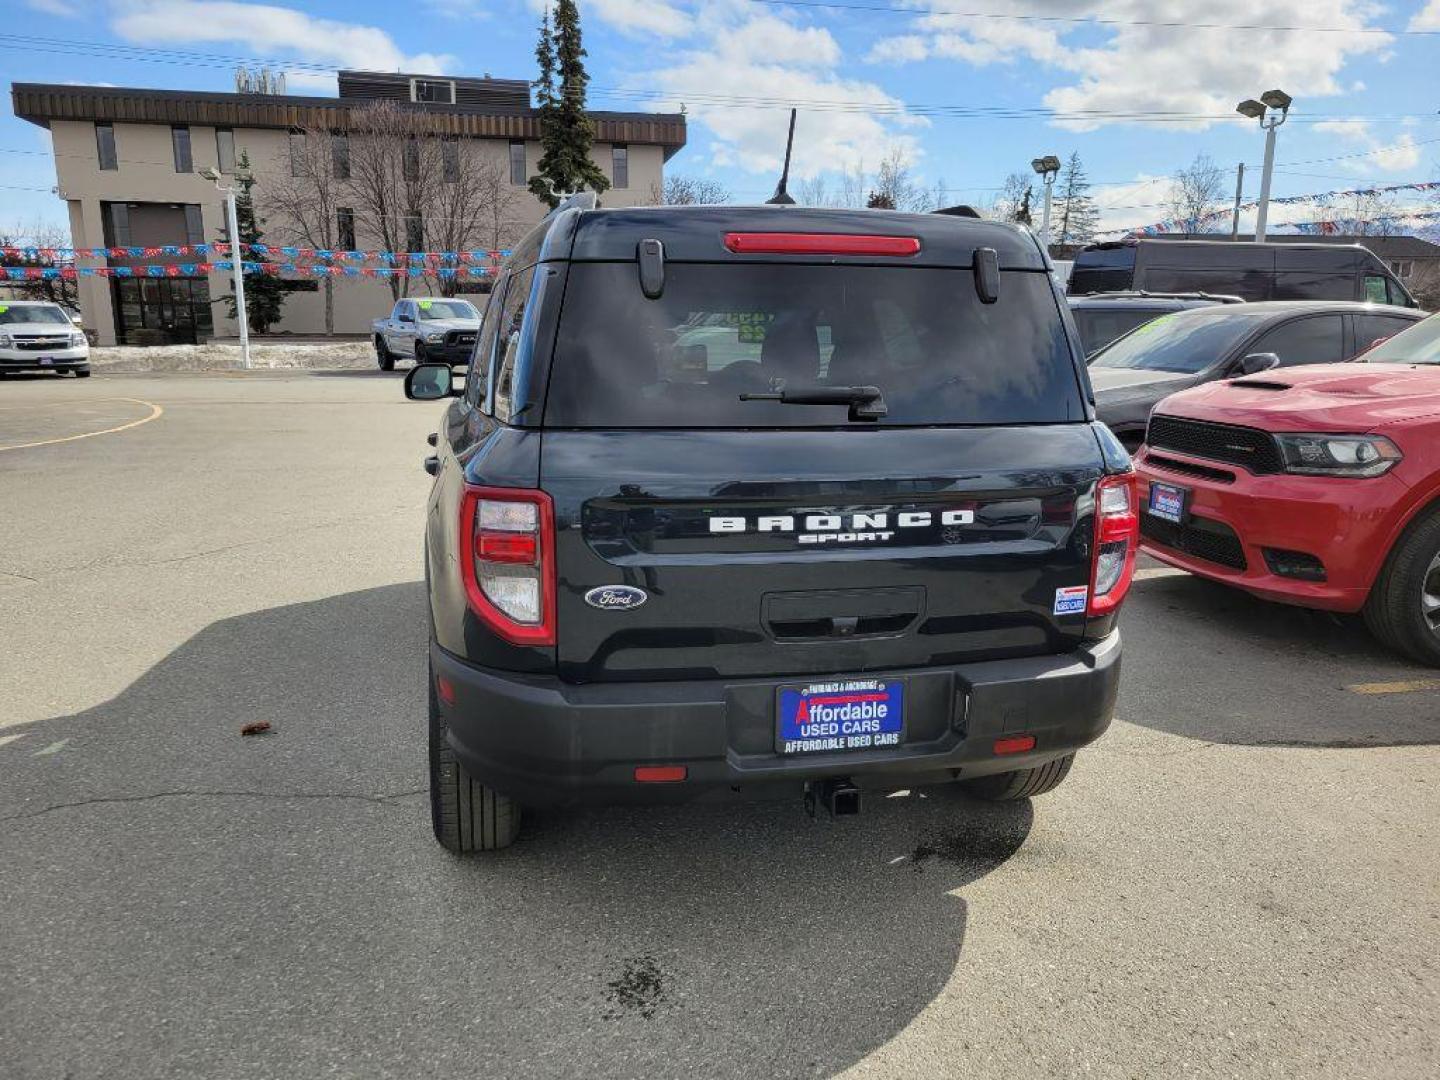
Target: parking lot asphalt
<point>1238,880</point>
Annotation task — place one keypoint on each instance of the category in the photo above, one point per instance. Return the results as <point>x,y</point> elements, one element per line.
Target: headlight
<point>1338,455</point>
<point>76,340</point>
<point>435,338</point>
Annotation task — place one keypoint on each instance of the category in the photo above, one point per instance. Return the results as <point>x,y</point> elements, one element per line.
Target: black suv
<point>761,499</point>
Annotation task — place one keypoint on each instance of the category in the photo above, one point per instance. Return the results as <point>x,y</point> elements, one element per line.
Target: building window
<point>620,166</point>
<point>299,166</point>
<point>1403,268</point>
<point>517,162</point>
<point>345,228</point>
<point>180,141</point>
<point>194,224</point>
<point>434,91</point>
<point>105,146</point>
<point>225,150</point>
<point>450,158</point>
<point>414,233</point>
<point>412,158</point>
<point>115,220</point>
<point>340,155</point>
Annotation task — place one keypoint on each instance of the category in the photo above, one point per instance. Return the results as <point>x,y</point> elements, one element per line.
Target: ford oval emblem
<point>616,597</point>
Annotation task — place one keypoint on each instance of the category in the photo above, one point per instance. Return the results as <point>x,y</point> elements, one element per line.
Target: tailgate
<point>799,552</point>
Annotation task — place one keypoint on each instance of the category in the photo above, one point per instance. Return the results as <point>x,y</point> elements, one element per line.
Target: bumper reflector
<point>1015,744</point>
<point>660,774</point>
<point>445,689</point>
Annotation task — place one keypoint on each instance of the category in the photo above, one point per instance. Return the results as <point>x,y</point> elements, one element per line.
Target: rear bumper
<point>544,741</point>
<point>1345,523</point>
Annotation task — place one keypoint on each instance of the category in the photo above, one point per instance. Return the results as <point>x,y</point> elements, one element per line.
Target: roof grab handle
<point>651,256</point>
<point>987,275</point>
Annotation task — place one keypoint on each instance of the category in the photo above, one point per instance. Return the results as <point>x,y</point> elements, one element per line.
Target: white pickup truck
<point>426,328</point>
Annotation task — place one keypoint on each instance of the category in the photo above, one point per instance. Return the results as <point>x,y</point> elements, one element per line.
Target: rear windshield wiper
<point>865,401</point>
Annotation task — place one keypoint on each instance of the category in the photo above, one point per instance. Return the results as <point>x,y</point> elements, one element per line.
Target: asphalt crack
<point>382,800</point>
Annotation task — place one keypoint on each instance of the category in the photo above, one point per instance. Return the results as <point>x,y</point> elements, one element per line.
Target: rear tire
<point>383,355</point>
<point>1021,783</point>
<point>1403,609</point>
<point>467,816</point>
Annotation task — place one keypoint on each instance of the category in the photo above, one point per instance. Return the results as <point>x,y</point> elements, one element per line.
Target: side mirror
<point>1257,362</point>
<point>430,382</point>
<point>404,318</point>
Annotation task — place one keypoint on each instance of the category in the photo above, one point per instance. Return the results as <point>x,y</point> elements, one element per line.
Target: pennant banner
<point>159,270</point>
<point>177,250</point>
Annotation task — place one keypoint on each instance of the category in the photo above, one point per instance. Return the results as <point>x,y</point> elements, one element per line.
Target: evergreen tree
<point>1077,215</point>
<point>565,131</point>
<point>264,293</point>
<point>879,200</point>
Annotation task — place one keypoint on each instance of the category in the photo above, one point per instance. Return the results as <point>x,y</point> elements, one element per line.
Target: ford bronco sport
<point>756,499</point>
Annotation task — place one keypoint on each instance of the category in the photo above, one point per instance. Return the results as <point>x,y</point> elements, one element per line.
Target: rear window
<point>920,335</point>
<point>1100,326</point>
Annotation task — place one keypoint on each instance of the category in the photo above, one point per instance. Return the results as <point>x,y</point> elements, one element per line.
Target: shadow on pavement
<point>195,902</point>
<point>1211,662</point>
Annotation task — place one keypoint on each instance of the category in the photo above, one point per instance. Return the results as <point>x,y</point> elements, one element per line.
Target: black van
<point>1238,268</point>
<point>761,499</point>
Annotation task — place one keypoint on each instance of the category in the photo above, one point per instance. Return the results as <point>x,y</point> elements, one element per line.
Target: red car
<point>1317,486</point>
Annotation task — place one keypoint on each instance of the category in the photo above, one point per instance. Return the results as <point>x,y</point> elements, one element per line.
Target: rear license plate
<point>840,715</point>
<point>1167,502</point>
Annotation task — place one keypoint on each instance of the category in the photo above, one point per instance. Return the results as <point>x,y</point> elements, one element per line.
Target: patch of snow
<point>346,355</point>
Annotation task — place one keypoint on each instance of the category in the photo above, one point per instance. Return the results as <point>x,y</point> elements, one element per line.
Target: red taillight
<point>507,560</point>
<point>779,243</point>
<point>1117,536</point>
<point>660,774</point>
<point>1015,744</point>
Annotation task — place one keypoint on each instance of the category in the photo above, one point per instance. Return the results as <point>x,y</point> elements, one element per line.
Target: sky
<point>968,90</point>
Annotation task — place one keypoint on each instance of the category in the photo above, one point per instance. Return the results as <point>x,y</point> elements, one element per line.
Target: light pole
<point>236,262</point>
<point>1271,110</point>
<point>1048,168</point>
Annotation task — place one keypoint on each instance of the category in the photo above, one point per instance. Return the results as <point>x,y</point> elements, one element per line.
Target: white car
<point>37,335</point>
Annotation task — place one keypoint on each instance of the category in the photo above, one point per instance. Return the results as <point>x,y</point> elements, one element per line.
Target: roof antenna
<point>781,196</point>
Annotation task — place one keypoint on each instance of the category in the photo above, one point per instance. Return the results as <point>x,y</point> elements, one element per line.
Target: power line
<point>1088,20</point>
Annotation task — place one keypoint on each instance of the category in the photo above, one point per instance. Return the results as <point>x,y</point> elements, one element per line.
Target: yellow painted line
<point>155,413</point>
<point>1402,686</point>
<point>53,748</point>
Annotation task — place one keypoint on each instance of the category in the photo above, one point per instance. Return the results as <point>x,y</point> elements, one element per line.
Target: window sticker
<point>424,305</point>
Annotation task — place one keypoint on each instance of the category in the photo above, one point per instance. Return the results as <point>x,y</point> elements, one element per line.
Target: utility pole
<point>1239,191</point>
<point>236,262</point>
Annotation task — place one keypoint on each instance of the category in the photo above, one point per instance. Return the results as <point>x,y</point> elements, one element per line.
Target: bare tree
<point>304,200</point>
<point>814,192</point>
<point>690,191</point>
<point>851,193</point>
<point>894,187</point>
<point>1195,192</point>
<point>1014,199</point>
<point>471,208</point>
<point>46,235</point>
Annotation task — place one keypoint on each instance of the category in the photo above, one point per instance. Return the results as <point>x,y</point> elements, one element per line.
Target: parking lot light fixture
<point>236,262</point>
<point>1047,167</point>
<point>1271,111</point>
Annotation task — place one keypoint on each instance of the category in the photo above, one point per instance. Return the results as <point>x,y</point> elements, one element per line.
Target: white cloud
<point>267,29</point>
<point>770,63</point>
<point>634,18</point>
<point>1428,18</point>
<point>1150,69</point>
<point>1401,155</point>
<point>66,9</point>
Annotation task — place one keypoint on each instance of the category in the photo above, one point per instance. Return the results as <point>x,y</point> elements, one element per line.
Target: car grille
<point>460,338</point>
<point>1255,450</point>
<point>1209,540</point>
<point>37,344</point>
